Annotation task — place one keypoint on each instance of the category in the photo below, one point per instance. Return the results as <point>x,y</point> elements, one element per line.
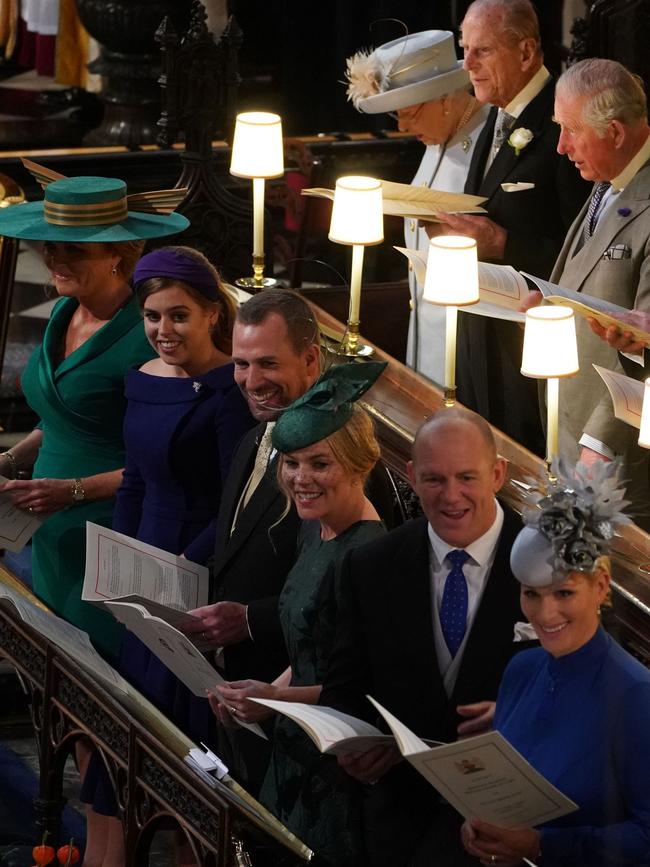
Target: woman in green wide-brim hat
<point>74,381</point>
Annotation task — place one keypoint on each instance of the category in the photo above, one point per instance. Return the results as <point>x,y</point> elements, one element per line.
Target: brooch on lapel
<point>624,212</point>
<point>196,386</point>
<point>519,139</point>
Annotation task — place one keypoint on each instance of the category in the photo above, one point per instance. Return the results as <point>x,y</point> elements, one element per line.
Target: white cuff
<point>595,445</point>
<point>636,357</point>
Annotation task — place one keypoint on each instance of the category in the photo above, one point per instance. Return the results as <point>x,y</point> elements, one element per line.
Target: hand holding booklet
<point>626,394</point>
<point>17,526</point>
<point>150,591</point>
<point>482,777</point>
<point>604,312</point>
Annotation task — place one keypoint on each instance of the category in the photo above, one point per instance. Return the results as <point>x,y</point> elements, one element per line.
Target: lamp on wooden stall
<point>550,353</point>
<point>451,281</point>
<point>257,153</point>
<point>358,221</point>
<point>644,433</point>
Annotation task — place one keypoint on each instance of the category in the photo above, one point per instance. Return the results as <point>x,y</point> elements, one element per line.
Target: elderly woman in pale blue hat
<point>419,79</point>
<point>578,707</point>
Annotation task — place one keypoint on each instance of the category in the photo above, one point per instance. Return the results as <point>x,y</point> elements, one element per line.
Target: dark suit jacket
<point>537,220</point>
<point>385,648</point>
<point>250,566</point>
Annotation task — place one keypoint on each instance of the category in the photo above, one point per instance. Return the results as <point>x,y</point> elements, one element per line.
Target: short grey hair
<point>518,18</point>
<point>612,92</point>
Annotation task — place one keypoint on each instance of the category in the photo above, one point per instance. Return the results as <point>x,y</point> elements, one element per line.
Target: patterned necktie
<point>453,609</point>
<point>502,127</point>
<point>264,450</point>
<point>591,220</point>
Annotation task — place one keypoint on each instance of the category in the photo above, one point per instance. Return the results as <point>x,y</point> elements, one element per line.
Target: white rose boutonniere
<point>519,139</point>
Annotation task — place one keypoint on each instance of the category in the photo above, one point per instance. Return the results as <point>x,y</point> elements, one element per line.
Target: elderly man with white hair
<point>602,113</point>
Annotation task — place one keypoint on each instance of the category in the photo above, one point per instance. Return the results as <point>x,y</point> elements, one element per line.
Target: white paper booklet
<point>501,288</point>
<point>16,525</point>
<point>483,777</point>
<point>118,566</point>
<point>626,394</point>
<point>73,641</point>
<point>604,312</point>
<point>176,651</point>
<point>417,203</point>
<point>333,731</point>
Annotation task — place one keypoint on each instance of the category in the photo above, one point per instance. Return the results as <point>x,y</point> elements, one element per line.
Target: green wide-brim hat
<point>326,407</point>
<point>92,209</point>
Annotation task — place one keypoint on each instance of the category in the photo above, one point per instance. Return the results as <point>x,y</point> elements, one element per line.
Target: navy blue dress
<point>583,721</point>
<point>180,434</point>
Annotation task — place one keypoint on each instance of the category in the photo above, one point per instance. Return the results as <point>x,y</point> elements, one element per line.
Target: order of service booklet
<point>149,591</point>
<point>417,203</point>
<point>483,777</point>
<point>626,394</point>
<point>17,526</point>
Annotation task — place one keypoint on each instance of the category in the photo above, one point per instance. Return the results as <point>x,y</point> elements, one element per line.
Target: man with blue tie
<point>426,624</point>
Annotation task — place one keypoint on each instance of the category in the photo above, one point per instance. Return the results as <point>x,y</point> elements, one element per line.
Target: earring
<point>114,270</point>
<point>598,609</point>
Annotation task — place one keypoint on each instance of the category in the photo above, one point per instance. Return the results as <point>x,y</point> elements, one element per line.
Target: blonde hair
<point>354,447</point>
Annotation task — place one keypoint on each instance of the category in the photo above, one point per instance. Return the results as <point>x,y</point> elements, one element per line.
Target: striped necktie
<point>593,211</point>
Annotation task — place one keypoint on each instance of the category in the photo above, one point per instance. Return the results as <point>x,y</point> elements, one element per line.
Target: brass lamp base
<point>449,395</point>
<point>351,344</point>
<point>258,280</point>
<point>252,284</point>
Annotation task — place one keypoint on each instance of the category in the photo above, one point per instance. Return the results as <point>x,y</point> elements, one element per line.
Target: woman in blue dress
<point>327,448</point>
<point>578,708</point>
<point>184,417</point>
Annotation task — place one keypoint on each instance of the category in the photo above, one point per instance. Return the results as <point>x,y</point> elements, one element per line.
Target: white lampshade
<point>452,271</point>
<point>357,214</point>
<point>644,433</point>
<point>257,146</point>
<point>550,346</point>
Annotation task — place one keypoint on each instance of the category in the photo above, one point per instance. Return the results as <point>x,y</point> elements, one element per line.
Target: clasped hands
<point>235,701</point>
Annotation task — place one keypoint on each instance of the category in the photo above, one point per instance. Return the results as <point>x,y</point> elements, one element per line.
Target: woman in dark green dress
<point>327,448</point>
<point>74,381</point>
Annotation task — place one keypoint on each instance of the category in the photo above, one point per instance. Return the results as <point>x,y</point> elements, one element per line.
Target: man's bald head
<point>457,417</point>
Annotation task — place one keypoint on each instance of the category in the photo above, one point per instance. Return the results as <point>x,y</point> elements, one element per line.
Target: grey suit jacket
<point>585,405</point>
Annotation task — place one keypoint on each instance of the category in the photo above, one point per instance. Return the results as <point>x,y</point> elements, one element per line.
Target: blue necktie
<point>453,609</point>
<point>593,209</point>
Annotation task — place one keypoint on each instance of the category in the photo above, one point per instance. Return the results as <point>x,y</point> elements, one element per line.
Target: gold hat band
<point>97,214</point>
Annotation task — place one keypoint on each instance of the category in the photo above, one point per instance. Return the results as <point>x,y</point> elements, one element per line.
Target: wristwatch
<point>78,492</point>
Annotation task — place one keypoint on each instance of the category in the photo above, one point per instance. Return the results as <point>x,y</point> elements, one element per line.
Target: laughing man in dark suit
<point>423,636</point>
<point>525,228</point>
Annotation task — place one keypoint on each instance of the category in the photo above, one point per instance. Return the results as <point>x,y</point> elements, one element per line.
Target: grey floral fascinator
<point>570,525</point>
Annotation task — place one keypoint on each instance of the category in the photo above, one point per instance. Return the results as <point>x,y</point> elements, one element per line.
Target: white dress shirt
<point>476,570</point>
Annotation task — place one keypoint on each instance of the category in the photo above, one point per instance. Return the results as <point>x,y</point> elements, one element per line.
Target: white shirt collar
<point>528,93</point>
<point>480,550</point>
<point>638,160</point>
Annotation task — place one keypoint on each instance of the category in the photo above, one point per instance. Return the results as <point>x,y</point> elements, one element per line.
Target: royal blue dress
<point>583,721</point>
<point>180,434</point>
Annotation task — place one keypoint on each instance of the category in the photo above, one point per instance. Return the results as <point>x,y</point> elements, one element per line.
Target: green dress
<point>80,402</point>
<point>307,791</point>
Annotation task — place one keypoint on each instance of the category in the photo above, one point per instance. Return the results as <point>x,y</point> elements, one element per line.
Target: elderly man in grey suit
<point>602,112</point>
